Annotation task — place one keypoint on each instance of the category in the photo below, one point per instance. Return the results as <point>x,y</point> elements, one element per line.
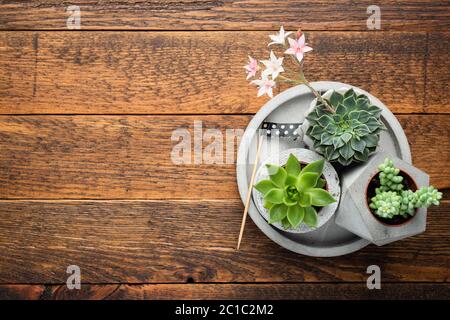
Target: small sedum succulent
<point>389,176</point>
<point>391,200</point>
<point>408,203</point>
<point>350,134</point>
<point>427,196</point>
<point>387,204</point>
<point>292,193</point>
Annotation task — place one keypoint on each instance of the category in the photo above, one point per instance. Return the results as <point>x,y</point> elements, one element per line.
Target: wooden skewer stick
<point>249,193</point>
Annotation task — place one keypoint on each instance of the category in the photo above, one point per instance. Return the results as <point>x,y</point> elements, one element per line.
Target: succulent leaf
<point>277,175</point>
<point>290,180</point>
<point>349,103</point>
<point>362,156</point>
<point>310,217</point>
<point>336,98</point>
<point>268,204</point>
<point>341,109</point>
<point>321,183</point>
<point>346,137</point>
<point>337,142</point>
<point>324,120</point>
<point>358,145</point>
<point>349,93</point>
<point>315,167</point>
<point>306,180</point>
<point>295,215</point>
<point>326,139</point>
<point>277,213</point>
<point>371,141</point>
<point>320,197</point>
<point>292,166</point>
<point>346,151</point>
<point>265,186</point>
<point>275,196</point>
<point>285,223</point>
<point>305,200</point>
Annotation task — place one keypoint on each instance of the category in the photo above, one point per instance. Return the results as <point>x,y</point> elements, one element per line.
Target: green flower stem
<point>317,94</point>
<point>285,79</point>
<point>306,83</point>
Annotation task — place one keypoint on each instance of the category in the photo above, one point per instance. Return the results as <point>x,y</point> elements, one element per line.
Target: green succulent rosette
<point>350,134</point>
<point>292,193</point>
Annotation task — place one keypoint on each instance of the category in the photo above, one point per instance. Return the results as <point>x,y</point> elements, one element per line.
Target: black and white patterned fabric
<point>284,130</point>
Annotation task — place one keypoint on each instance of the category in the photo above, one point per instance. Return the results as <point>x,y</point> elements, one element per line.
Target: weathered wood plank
<point>270,291</point>
<point>188,241</point>
<point>226,15</point>
<point>192,72</point>
<point>438,73</point>
<point>129,157</point>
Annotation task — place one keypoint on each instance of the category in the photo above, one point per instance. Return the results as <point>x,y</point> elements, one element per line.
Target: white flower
<point>265,86</point>
<point>273,66</point>
<point>279,38</point>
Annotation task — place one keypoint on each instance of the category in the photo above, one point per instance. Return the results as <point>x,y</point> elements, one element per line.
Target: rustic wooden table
<point>87,116</point>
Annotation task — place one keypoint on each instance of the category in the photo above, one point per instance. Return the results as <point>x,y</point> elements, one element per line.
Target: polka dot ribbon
<point>285,130</point>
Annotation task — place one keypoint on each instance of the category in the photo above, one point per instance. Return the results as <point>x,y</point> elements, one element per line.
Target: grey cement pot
<point>354,214</point>
<point>304,156</point>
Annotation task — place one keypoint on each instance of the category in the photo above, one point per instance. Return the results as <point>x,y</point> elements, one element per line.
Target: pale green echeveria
<point>350,134</point>
<point>291,193</point>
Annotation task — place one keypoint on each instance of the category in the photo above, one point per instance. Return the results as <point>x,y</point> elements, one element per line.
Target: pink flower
<point>265,86</point>
<point>298,47</point>
<point>252,67</point>
<point>274,66</point>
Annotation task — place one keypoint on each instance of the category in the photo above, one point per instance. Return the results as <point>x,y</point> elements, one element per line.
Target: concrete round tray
<point>290,106</point>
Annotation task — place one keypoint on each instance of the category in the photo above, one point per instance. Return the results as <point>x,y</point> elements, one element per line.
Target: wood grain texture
<point>188,241</point>
<point>269,291</point>
<point>438,73</point>
<point>129,157</point>
<point>226,15</point>
<point>195,72</point>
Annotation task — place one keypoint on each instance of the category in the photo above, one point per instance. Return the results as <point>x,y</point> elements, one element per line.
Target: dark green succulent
<point>350,134</point>
<point>292,192</point>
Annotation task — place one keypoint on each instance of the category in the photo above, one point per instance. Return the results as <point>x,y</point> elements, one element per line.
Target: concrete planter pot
<point>305,157</point>
<point>355,215</point>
